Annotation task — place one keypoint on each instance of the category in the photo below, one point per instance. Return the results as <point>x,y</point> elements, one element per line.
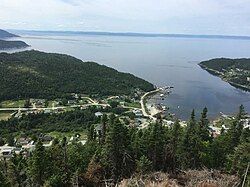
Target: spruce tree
<point>156,145</point>
<point>173,147</point>
<point>116,151</point>
<point>104,127</point>
<point>38,164</point>
<point>191,145</point>
<point>203,126</point>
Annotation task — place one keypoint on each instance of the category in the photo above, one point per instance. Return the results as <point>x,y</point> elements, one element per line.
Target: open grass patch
<point>12,104</point>
<point>68,135</point>
<point>5,115</point>
<point>134,104</point>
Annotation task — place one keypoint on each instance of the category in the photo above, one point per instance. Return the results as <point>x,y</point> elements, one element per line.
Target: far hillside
<point>35,74</point>
<point>5,45</point>
<point>5,34</point>
<point>234,71</point>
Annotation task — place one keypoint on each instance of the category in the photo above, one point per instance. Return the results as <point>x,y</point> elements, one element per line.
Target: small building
<point>169,123</point>
<point>138,113</point>
<point>38,102</point>
<point>23,141</point>
<point>7,151</point>
<point>99,129</point>
<point>47,111</point>
<point>45,138</point>
<point>246,123</point>
<point>98,114</point>
<point>72,102</point>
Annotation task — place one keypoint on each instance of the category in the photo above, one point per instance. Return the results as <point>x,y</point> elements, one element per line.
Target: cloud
<point>161,16</point>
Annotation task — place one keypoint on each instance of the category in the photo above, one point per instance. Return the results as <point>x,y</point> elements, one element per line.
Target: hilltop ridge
<point>47,75</point>
<point>6,34</point>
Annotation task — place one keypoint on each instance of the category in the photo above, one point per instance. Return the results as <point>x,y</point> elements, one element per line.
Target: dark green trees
<point>173,152</point>
<point>39,165</point>
<point>117,151</point>
<point>191,145</point>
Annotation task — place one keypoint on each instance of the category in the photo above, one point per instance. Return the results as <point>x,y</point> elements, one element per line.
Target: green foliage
<point>10,140</point>
<point>235,71</point>
<point>113,103</point>
<point>116,151</point>
<point>38,165</point>
<point>12,44</point>
<point>77,120</point>
<point>17,171</point>
<point>239,160</point>
<point>143,165</point>
<point>127,151</point>
<point>34,74</point>
<point>221,64</point>
<point>191,145</point>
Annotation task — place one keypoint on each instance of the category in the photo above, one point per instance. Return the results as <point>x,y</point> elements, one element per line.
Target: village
<point>143,114</point>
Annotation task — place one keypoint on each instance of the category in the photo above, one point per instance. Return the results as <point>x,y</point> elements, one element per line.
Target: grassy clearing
<point>135,104</point>
<point>60,135</point>
<point>12,104</point>
<point>5,115</point>
<point>50,104</point>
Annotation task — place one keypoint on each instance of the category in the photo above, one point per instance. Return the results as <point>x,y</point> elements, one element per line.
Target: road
<point>143,106</point>
<point>52,108</point>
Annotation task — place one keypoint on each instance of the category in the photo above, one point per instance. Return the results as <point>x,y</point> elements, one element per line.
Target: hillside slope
<point>46,75</point>
<point>234,71</point>
<point>5,34</point>
<point>12,44</point>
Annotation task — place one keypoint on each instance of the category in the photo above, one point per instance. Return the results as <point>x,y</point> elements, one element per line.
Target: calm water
<point>162,61</point>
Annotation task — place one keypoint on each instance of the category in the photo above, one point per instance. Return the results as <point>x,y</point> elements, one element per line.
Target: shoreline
<point>219,74</point>
<point>143,101</point>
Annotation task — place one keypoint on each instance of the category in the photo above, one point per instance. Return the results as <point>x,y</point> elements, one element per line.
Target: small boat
<point>162,95</point>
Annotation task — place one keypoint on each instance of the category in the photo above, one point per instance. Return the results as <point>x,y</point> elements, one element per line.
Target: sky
<point>223,17</point>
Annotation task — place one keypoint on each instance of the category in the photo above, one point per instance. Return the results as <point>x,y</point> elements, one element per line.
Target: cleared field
<point>5,115</point>
<point>68,135</point>
<point>135,104</point>
<point>12,104</point>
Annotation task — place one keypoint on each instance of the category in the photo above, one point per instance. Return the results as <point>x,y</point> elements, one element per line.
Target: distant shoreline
<point>132,34</point>
<point>219,74</point>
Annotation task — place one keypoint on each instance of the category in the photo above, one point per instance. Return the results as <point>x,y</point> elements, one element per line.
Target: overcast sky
<point>228,17</point>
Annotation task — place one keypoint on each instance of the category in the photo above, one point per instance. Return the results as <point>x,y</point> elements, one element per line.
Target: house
<point>47,111</point>
<point>23,141</point>
<point>7,151</point>
<point>45,138</point>
<point>246,123</point>
<point>99,129</point>
<point>169,122</point>
<point>72,102</point>
<point>137,112</point>
<point>98,114</point>
<point>38,102</point>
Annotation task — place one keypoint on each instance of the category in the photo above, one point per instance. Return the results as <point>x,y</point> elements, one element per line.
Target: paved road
<point>52,108</point>
<point>143,106</point>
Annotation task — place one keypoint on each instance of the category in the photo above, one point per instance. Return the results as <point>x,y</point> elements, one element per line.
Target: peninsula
<point>6,45</point>
<point>5,34</point>
<point>234,71</point>
<point>35,74</point>
<point>10,44</point>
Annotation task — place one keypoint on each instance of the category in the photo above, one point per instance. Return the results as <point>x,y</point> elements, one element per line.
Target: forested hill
<point>234,71</point>
<point>12,44</point>
<point>34,74</point>
<point>5,34</point>
<point>220,64</point>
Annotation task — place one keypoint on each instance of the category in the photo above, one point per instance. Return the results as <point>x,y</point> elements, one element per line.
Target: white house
<point>98,114</point>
